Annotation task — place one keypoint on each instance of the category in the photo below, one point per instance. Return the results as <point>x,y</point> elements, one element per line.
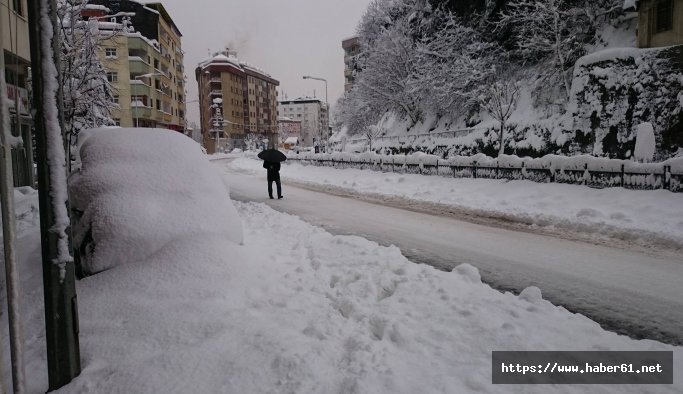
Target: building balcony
<point>138,66</point>
<point>137,43</point>
<point>141,112</point>
<point>216,93</point>
<point>139,89</point>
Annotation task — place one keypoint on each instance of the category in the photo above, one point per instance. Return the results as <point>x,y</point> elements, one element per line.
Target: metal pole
<point>61,311</point>
<point>9,234</point>
<point>327,105</point>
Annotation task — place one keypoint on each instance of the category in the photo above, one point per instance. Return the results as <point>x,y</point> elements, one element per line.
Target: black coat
<point>273,169</point>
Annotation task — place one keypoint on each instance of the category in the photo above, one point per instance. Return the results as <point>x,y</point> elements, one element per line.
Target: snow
<point>645,143</point>
<point>629,4</point>
<point>136,197</point>
<point>292,308</point>
<point>613,54</point>
<point>296,309</point>
<point>97,7</point>
<point>292,140</point>
<point>644,215</point>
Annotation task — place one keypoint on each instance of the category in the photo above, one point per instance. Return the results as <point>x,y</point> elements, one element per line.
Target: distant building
<point>351,48</point>
<point>144,63</point>
<point>237,101</point>
<point>312,113</point>
<point>17,57</point>
<point>660,23</point>
<point>289,129</point>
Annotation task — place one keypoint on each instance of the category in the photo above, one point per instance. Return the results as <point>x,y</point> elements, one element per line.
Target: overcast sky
<point>286,38</point>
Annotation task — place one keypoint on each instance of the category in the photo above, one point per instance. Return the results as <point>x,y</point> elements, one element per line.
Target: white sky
<point>286,38</point>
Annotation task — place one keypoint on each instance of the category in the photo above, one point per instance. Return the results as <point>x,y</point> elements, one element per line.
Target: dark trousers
<point>270,187</point>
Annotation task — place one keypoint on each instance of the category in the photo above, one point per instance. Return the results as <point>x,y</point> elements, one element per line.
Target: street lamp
<point>216,121</point>
<point>327,106</point>
<point>137,115</point>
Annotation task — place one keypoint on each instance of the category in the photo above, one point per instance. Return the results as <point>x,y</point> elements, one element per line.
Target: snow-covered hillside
<point>576,94</point>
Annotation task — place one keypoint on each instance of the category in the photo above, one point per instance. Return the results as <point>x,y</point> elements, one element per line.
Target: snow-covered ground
<point>292,308</point>
<point>629,290</point>
<point>296,309</point>
<point>647,217</point>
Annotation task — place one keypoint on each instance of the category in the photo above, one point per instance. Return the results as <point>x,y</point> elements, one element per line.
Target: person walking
<point>273,169</point>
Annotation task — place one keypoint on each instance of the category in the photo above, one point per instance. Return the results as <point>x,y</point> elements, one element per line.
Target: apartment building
<point>312,113</point>
<point>660,23</point>
<point>144,63</point>
<point>237,102</point>
<point>17,58</point>
<point>351,48</point>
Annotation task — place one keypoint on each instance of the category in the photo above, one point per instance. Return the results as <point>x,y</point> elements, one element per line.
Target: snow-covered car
<point>137,192</point>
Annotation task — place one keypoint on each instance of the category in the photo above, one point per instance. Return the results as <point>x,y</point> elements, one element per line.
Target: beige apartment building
<point>237,101</point>
<point>17,59</point>
<point>660,23</point>
<point>351,48</point>
<point>144,63</point>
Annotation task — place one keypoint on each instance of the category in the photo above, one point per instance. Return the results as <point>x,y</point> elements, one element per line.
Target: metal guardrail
<point>663,179</point>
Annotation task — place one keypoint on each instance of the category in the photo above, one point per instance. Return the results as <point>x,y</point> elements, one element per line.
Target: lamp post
<point>217,121</point>
<point>137,115</point>
<point>327,107</point>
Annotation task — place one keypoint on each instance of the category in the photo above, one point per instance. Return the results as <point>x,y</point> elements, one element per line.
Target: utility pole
<point>61,310</point>
<point>9,234</point>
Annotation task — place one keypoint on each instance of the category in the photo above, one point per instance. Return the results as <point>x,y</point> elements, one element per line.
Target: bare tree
<point>547,28</point>
<point>88,96</point>
<point>454,65</point>
<point>371,133</point>
<point>500,101</point>
<point>385,79</point>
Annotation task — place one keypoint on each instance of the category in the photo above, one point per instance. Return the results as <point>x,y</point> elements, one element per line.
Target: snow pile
<point>645,143</point>
<point>644,216</point>
<point>140,190</point>
<point>298,310</point>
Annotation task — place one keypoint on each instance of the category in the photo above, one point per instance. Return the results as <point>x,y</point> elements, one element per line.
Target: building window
<point>110,52</point>
<point>16,4</point>
<point>664,15</point>
<point>112,76</point>
<point>115,99</point>
<point>117,122</point>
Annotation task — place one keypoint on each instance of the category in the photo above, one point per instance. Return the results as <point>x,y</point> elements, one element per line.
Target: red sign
<point>12,93</point>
